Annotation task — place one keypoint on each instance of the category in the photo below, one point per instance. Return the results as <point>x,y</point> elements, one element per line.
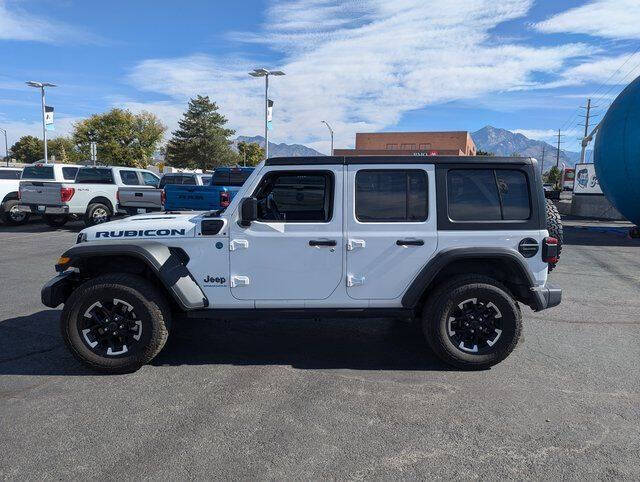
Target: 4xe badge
<point>215,281</point>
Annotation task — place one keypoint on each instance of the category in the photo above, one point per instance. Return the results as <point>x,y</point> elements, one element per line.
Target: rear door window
<point>189,180</point>
<point>385,195</point>
<point>94,176</point>
<point>9,174</point>
<point>69,173</point>
<point>38,172</point>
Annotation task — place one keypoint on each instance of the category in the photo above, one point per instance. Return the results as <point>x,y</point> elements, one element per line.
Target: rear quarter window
<point>94,176</point>
<point>477,195</point>
<point>9,174</point>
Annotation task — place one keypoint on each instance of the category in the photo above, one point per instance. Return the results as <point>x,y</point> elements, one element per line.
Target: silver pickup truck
<point>133,200</point>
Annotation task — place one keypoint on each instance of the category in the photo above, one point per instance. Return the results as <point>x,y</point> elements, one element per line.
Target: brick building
<point>456,143</point>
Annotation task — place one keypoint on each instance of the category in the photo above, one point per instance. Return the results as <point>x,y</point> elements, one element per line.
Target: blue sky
<point>361,65</point>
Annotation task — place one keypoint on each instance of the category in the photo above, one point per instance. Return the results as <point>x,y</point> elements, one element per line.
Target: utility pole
<point>542,163</point>
<point>586,139</point>
<point>558,153</point>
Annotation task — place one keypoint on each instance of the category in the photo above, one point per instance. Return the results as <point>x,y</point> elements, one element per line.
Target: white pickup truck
<point>38,173</point>
<point>93,195</point>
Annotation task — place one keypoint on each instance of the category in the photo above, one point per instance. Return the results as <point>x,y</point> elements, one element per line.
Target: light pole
<point>6,146</point>
<point>41,86</point>
<point>265,73</point>
<point>331,131</point>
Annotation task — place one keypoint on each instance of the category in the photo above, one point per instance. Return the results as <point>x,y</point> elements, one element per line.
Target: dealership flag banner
<point>269,112</point>
<point>48,117</point>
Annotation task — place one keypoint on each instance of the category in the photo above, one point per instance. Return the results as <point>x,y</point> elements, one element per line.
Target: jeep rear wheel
<point>115,323</point>
<point>472,322</point>
<point>11,215</point>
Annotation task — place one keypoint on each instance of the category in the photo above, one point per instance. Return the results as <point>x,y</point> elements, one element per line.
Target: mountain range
<point>277,150</point>
<point>502,142</point>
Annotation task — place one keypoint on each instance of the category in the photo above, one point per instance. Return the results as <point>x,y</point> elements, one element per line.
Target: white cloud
<point>363,71</point>
<point>17,24</point>
<point>616,19</point>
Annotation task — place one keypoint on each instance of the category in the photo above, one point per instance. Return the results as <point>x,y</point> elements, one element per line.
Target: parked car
<point>93,195</point>
<point>134,200</point>
<point>225,183</point>
<point>39,174</point>
<point>458,245</point>
<point>9,183</point>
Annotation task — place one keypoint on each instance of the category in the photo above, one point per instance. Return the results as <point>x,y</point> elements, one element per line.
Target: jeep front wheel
<point>115,323</point>
<point>472,322</point>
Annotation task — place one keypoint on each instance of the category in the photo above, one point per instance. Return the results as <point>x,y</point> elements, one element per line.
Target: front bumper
<point>43,209</point>
<point>57,289</point>
<point>546,296</point>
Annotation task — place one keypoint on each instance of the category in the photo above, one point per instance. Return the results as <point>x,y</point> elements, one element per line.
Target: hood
<point>146,226</point>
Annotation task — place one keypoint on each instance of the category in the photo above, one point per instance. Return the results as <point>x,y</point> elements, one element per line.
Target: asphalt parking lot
<point>328,399</point>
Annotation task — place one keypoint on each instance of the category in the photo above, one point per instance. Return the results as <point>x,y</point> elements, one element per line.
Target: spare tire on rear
<point>554,226</point>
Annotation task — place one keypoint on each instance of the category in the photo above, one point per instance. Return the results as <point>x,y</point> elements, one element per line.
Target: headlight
<point>82,238</point>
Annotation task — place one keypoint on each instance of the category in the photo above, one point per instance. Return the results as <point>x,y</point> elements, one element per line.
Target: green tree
<point>250,152</point>
<point>122,138</point>
<point>64,149</point>
<point>28,149</point>
<point>480,152</point>
<point>201,140</point>
<point>553,176</point>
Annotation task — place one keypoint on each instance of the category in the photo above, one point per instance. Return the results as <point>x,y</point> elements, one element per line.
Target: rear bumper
<point>43,209</point>
<point>132,211</point>
<point>546,296</point>
<point>57,290</point>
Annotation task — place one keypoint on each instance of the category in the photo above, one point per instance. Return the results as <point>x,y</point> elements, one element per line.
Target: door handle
<point>322,242</point>
<point>138,194</point>
<point>410,242</point>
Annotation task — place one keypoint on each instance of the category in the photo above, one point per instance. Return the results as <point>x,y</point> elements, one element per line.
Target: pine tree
<point>201,140</point>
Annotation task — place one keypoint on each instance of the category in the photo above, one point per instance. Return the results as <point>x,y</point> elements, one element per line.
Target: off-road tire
<point>89,219</point>
<point>148,304</point>
<point>7,206</point>
<point>55,220</point>
<point>554,226</point>
<point>446,297</point>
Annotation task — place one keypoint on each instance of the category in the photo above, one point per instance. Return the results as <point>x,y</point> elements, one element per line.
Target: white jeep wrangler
<point>455,242</point>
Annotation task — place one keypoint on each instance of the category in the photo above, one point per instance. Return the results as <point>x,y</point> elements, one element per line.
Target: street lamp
<point>265,73</point>
<point>331,131</point>
<point>6,146</point>
<point>41,86</point>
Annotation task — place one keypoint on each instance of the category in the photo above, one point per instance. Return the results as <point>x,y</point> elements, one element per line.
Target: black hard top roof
<point>345,160</point>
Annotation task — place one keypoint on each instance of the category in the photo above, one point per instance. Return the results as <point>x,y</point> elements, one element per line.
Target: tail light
<point>20,193</point>
<point>118,196</point>
<point>550,250</point>
<point>225,199</point>
<point>163,197</point>
<point>66,193</point>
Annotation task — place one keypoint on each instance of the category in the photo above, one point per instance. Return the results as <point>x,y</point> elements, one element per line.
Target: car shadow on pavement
<point>32,345</point>
<point>598,237</point>
<point>357,344</point>
<point>41,227</point>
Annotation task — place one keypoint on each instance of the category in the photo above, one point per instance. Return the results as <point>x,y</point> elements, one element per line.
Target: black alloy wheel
<point>111,328</point>
<point>474,325</point>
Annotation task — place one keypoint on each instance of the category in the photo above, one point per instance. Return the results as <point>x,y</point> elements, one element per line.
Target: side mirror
<point>248,211</point>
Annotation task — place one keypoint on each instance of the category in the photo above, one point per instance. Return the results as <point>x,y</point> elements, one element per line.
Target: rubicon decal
<point>142,232</point>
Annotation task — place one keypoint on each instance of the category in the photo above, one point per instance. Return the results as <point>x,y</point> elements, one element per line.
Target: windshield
<point>38,172</point>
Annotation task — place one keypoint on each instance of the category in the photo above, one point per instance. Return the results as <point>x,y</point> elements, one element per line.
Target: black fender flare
<point>436,264</point>
<point>168,264</point>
